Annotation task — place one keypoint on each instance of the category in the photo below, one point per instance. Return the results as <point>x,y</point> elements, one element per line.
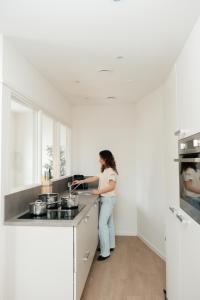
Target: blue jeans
<point>106,225</point>
<point>195,202</point>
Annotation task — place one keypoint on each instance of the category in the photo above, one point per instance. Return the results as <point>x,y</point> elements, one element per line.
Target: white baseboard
<point>152,247</point>
<point>126,233</point>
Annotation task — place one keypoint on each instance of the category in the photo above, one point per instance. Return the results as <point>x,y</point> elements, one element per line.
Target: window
<point>47,147</point>
<point>35,145</point>
<point>64,150</point>
<point>22,142</point>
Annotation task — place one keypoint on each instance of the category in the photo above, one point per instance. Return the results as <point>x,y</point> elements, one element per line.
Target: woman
<point>106,190</point>
<point>191,183</point>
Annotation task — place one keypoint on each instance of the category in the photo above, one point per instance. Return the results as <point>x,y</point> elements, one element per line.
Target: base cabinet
<point>183,263</point>
<point>86,241</point>
<point>39,263</point>
<point>190,261</point>
<point>173,263</point>
<point>50,262</point>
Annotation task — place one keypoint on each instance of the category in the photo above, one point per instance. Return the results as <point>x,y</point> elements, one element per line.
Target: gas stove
<point>54,214</point>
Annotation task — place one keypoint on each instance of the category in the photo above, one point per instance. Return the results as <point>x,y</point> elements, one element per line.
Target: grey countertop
<point>86,200</point>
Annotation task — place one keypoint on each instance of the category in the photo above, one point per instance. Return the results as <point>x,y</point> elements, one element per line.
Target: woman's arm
<point>110,188</point>
<point>189,187</point>
<point>87,180</point>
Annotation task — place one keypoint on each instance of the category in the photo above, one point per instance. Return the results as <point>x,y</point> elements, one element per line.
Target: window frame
<point>68,149</point>
<point>8,95</point>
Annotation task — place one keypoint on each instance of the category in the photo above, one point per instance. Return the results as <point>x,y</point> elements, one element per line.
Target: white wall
<point>19,74</point>
<point>150,176</point>
<point>98,127</point>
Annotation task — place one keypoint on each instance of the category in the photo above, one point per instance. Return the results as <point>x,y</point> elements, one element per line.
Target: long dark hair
<point>108,157</point>
<point>186,165</point>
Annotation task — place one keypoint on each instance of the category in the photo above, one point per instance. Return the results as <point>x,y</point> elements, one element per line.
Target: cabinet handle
<point>182,219</point>
<point>179,217</point>
<point>172,209</point>
<point>192,160</point>
<point>86,257</point>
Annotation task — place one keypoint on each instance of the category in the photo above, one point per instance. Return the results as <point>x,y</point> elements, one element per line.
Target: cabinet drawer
<point>82,240</point>
<point>83,268</point>
<point>93,224</point>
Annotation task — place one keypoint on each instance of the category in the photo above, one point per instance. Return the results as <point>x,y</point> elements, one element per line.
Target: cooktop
<point>54,214</point>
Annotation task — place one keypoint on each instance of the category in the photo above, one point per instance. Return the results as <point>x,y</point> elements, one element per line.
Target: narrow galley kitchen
<point>100,150</point>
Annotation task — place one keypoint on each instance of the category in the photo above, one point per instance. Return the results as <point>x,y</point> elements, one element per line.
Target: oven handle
<point>194,160</point>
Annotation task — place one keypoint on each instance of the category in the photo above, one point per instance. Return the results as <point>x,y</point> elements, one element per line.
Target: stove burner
<point>54,214</point>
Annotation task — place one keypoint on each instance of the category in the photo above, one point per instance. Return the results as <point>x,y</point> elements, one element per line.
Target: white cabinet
<point>182,107</point>
<point>190,260</point>
<point>39,263</point>
<point>50,262</point>
<point>188,87</point>
<point>183,263</point>
<point>173,263</point>
<point>86,241</point>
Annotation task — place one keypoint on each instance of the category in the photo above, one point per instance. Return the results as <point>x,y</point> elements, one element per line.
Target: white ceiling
<point>71,40</point>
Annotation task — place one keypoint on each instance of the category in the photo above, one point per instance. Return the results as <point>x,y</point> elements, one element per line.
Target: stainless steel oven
<point>189,175</point>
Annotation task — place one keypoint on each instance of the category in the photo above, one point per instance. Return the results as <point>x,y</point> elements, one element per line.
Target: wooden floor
<point>133,272</point>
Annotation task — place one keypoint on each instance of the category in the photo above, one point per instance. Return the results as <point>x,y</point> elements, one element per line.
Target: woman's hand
<point>77,182</point>
<point>95,192</point>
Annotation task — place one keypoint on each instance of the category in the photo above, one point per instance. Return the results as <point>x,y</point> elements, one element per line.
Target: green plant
<point>62,162</point>
<point>48,166</point>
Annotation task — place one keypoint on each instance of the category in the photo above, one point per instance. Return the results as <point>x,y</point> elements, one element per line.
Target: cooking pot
<point>38,208</point>
<point>51,200</point>
<point>69,202</point>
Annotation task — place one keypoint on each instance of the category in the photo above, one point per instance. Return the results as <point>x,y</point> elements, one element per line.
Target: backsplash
<point>60,186</point>
<point>16,203</point>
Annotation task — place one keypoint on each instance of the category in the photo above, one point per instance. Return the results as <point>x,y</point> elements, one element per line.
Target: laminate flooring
<point>133,272</point>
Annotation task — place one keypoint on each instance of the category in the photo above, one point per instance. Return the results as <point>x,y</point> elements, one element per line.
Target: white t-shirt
<point>108,174</point>
<point>194,176</point>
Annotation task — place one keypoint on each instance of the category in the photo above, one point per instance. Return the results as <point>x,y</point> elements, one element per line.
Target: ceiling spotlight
<point>111,98</point>
<point>105,70</point>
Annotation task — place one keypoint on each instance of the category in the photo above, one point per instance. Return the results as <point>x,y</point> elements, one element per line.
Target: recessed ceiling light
<point>77,81</point>
<point>111,98</point>
<point>120,57</point>
<point>104,70</point>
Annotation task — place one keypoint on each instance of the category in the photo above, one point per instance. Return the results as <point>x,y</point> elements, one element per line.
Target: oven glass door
<point>189,175</point>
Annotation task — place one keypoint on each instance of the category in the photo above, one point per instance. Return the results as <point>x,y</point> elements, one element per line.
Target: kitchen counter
<point>41,250</point>
<point>87,200</point>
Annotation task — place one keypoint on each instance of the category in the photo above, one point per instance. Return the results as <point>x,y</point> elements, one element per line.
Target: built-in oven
<point>189,175</point>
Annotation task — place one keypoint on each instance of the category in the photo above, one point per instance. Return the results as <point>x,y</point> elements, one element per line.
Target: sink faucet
<point>70,188</point>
